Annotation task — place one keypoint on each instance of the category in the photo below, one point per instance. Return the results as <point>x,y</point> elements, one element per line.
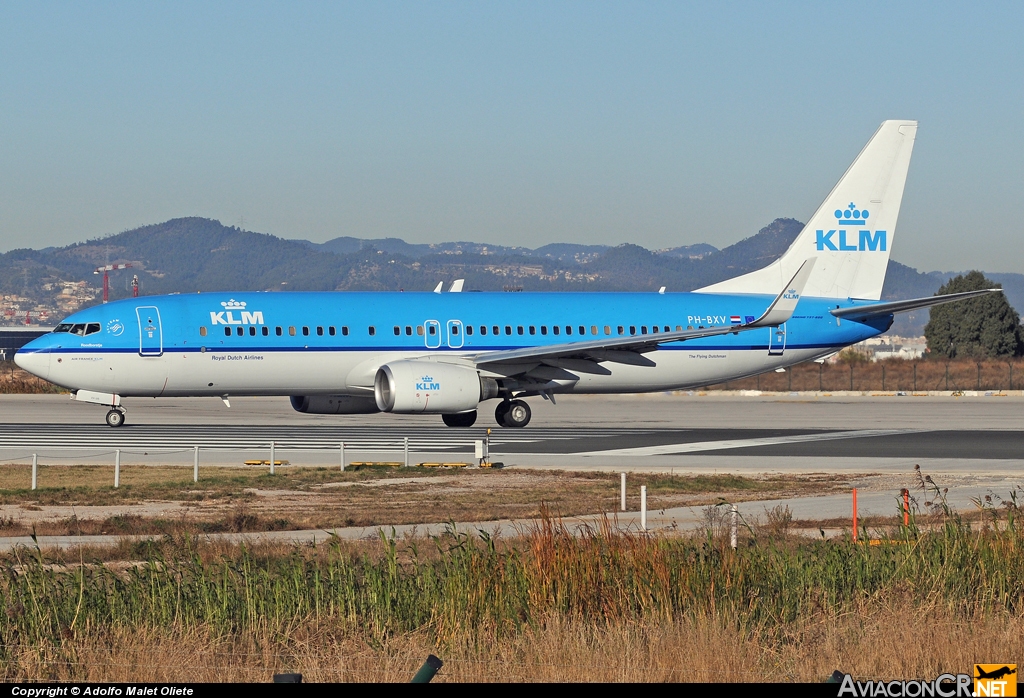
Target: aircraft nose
<point>33,360</point>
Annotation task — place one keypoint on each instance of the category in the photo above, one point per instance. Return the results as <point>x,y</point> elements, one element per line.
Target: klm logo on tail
<point>853,217</point>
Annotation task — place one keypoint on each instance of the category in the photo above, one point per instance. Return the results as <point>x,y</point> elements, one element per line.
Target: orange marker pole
<point>854,514</point>
<point>906,508</point>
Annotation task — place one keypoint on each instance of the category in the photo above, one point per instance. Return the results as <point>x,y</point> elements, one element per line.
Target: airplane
<point>448,353</point>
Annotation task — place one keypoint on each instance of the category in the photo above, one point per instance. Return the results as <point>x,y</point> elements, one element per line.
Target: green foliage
<point>980,327</point>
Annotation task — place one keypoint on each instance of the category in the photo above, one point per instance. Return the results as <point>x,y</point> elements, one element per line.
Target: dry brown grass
<point>154,499</point>
<point>882,640</point>
<point>890,375</point>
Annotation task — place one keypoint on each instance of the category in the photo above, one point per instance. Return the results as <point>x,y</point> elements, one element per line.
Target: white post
<point>487,445</point>
<point>117,468</point>
<point>195,464</point>
<point>406,451</point>
<point>35,470</point>
<point>622,493</point>
<point>735,518</point>
<point>478,451</point>
<point>342,449</point>
<point>643,507</point>
<point>272,457</point>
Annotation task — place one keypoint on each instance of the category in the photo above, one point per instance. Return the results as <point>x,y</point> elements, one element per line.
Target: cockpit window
<point>92,328</point>
<point>79,329</point>
<point>63,327</point>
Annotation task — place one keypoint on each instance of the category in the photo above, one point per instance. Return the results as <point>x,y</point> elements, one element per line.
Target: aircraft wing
<point>581,356</point>
<point>861,312</point>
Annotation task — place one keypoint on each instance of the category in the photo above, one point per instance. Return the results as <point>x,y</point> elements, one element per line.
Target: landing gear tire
<point>115,418</point>
<point>460,419</point>
<point>499,412</point>
<point>516,415</point>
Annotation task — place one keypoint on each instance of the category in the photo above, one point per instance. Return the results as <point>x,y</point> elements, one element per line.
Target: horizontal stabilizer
<point>876,309</point>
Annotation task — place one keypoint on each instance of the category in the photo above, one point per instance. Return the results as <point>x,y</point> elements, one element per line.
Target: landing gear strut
<point>115,418</point>
<point>513,413</point>
<point>460,419</point>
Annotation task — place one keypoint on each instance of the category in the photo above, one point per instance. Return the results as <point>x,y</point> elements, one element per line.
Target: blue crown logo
<point>427,379</point>
<point>233,305</point>
<point>851,215</point>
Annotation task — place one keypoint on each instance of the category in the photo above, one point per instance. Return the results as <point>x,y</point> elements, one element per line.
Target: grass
<point>155,499</point>
<point>547,605</point>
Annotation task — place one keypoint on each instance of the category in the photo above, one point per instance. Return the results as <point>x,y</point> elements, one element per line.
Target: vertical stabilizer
<point>852,232</point>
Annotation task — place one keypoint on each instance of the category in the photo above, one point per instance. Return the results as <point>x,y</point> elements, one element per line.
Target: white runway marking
<point>673,449</point>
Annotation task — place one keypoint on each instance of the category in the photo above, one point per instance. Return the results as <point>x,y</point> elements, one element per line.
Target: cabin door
<point>151,334</point>
<point>777,340</point>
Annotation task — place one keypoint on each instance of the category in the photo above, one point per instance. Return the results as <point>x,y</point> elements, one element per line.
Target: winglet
<point>456,286</point>
<point>440,285</point>
<point>784,304</point>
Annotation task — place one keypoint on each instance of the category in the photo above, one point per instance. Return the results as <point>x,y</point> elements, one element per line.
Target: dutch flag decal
<point>735,319</point>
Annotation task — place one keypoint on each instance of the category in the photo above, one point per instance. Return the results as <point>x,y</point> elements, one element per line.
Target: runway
<point>679,431</point>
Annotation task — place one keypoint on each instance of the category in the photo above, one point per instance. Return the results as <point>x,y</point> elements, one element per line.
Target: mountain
<point>198,254</point>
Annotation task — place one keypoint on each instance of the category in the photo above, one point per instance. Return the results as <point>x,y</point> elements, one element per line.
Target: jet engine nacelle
<point>432,387</point>
<point>334,404</point>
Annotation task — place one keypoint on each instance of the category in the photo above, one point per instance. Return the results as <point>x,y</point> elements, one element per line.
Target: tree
<point>978,327</point>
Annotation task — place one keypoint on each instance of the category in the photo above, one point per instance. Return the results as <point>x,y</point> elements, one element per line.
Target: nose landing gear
<point>512,413</point>
<point>115,417</point>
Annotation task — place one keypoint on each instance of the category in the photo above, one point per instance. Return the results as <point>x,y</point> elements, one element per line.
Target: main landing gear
<point>460,419</point>
<point>115,417</point>
<point>512,413</point>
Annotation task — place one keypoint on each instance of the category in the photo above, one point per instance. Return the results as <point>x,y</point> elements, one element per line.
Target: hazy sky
<point>662,124</point>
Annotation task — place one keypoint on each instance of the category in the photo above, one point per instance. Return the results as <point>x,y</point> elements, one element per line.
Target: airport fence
<point>889,375</point>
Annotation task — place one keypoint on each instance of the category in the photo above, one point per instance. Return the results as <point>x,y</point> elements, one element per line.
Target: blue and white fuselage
<point>333,343</point>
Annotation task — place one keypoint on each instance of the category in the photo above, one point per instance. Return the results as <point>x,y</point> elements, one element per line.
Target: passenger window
<point>252,330</point>
<point>593,329</point>
<point>555,329</point>
<point>398,331</point>
<point>305,331</point>
<point>455,329</point>
<point>277,331</point>
<point>291,331</point>
<point>654,329</point>
<point>419,330</point>
<point>519,329</point>
<point>667,328</point>
<point>643,329</point>
<point>431,330</point>
<point>583,330</point>
<point>543,329</point>
<point>533,330</point>
<point>494,330</point>
<point>319,330</point>
<point>689,327</point>
<point>202,331</point>
<point>469,329</point>
<point>227,331</point>
<point>344,331</point>
<point>607,329</point>
<point>508,329</point>
<point>408,330</point>
<point>372,330</point>
<point>632,329</point>
<point>679,328</point>
<point>483,329</point>
<point>266,331</point>
<point>568,329</point>
<point>619,328</point>
<point>239,332</point>
<point>332,331</point>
